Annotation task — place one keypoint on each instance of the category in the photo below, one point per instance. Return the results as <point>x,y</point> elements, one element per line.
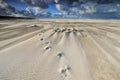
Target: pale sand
<point>60,50</point>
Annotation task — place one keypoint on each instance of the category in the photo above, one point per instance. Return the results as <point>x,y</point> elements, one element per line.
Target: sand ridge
<point>59,50</point>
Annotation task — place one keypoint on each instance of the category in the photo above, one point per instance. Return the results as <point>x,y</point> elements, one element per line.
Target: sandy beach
<point>59,49</point>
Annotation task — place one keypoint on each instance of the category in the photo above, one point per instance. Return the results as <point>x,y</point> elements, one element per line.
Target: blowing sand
<point>59,50</point>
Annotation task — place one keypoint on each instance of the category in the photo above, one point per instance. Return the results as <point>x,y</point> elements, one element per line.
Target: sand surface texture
<point>59,50</point>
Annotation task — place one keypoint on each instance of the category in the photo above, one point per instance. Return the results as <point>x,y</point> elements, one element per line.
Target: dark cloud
<point>88,8</point>
<point>6,9</point>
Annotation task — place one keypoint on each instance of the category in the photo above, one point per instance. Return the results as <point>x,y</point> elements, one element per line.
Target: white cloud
<point>6,9</point>
<point>38,10</point>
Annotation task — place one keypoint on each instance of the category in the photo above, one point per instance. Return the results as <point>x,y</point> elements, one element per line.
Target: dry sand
<point>60,50</point>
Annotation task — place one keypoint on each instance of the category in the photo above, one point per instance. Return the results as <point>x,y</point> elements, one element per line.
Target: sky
<point>75,9</point>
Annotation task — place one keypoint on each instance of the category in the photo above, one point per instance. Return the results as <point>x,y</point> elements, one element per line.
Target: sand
<point>60,50</point>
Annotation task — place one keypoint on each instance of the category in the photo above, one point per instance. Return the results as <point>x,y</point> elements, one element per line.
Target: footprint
<point>35,26</point>
<point>63,29</point>
<point>60,55</point>
<point>65,71</point>
<point>41,39</point>
<point>48,47</point>
<point>68,31</point>
<point>57,30</point>
<point>68,68</point>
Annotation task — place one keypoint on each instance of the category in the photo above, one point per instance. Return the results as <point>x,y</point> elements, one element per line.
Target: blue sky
<point>62,8</point>
<point>52,9</point>
<point>17,4</point>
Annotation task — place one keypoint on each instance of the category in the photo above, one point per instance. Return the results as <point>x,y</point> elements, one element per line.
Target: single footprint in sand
<point>68,67</point>
<point>48,47</point>
<point>60,54</point>
<point>35,26</point>
<point>63,30</point>
<point>41,39</point>
<point>67,31</point>
<point>57,30</point>
<point>62,71</point>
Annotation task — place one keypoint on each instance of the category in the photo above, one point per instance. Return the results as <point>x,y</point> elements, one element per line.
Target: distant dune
<point>59,49</point>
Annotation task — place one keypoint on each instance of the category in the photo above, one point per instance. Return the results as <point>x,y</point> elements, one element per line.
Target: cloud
<point>6,9</point>
<point>35,12</point>
<point>1,1</point>
<point>38,3</point>
<point>74,7</point>
<point>38,10</point>
<point>65,8</point>
<point>89,8</point>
